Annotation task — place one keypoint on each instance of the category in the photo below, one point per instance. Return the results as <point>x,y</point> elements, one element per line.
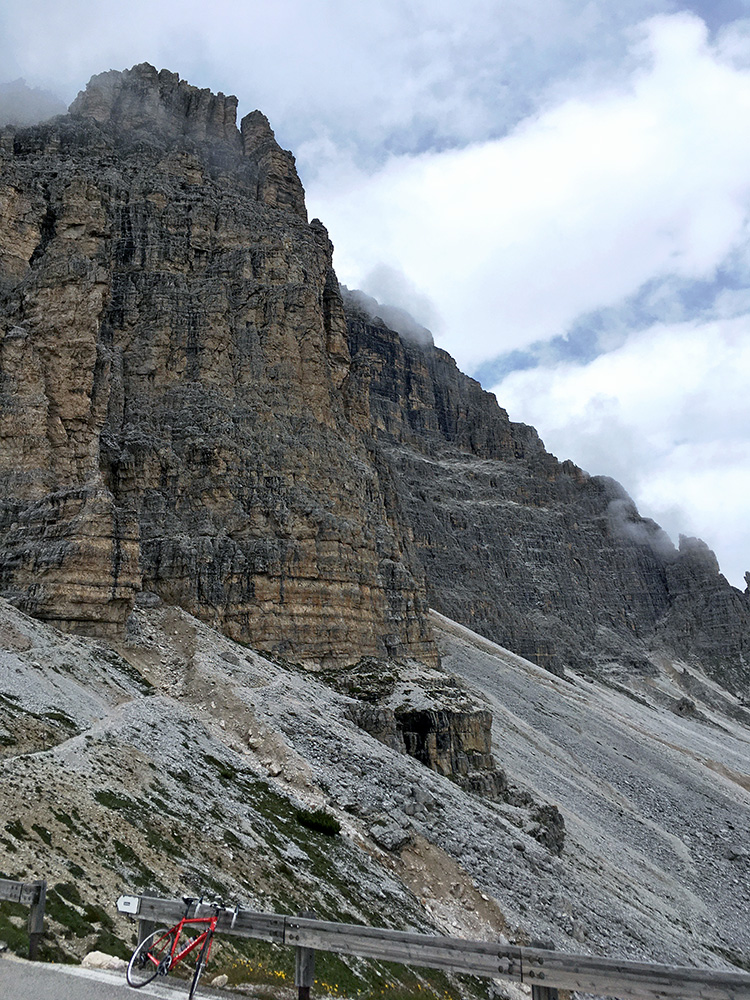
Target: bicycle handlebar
<point>214,904</point>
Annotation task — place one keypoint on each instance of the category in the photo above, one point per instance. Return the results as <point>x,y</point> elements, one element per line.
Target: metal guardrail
<point>545,971</point>
<point>34,895</point>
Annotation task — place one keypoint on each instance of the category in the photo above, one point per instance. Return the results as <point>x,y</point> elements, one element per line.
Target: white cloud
<point>390,74</point>
<point>574,210</point>
<point>666,414</point>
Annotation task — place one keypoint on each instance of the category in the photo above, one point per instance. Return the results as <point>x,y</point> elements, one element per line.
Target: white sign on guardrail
<point>129,904</point>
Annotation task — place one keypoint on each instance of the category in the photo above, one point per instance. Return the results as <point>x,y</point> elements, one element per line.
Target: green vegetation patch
<point>66,913</point>
<point>17,938</point>
<point>66,819</point>
<point>110,944</point>
<point>159,842</point>
<point>324,859</point>
<point>126,854</point>
<point>226,771</point>
<point>43,833</point>
<point>113,800</point>
<point>11,701</point>
<point>271,965</point>
<point>96,914</point>
<point>70,892</point>
<point>320,820</point>
<point>16,829</point>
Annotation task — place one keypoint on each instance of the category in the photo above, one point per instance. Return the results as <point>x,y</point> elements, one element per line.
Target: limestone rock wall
<point>529,551</point>
<point>173,363</point>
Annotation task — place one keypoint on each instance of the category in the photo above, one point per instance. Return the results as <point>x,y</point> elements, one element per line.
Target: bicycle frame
<point>176,956</point>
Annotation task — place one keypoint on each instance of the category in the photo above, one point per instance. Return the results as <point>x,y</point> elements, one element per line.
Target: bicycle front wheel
<point>150,957</point>
<point>200,966</point>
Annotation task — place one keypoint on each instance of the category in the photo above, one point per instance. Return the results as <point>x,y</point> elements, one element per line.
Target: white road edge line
<point>117,979</point>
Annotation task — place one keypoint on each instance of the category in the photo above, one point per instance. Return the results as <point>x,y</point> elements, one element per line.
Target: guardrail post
<point>543,993</point>
<point>145,927</point>
<point>304,964</point>
<point>36,919</point>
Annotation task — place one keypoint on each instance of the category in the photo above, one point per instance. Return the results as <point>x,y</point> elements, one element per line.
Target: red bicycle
<point>161,951</point>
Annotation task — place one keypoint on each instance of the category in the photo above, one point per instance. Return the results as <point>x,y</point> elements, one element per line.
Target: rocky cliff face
<point>530,551</point>
<point>428,716</point>
<point>185,408</point>
<point>172,357</point>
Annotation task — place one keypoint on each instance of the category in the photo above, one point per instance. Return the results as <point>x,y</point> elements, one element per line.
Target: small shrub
<point>16,829</point>
<point>226,771</point>
<point>111,800</point>
<point>70,892</point>
<point>126,854</point>
<point>110,944</point>
<point>63,817</point>
<point>59,909</point>
<point>97,915</point>
<point>232,839</point>
<point>320,820</point>
<point>43,833</point>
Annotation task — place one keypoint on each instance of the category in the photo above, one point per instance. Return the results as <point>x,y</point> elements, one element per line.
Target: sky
<point>558,189</point>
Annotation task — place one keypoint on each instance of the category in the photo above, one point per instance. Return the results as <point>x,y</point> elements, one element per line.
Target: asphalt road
<point>20,980</point>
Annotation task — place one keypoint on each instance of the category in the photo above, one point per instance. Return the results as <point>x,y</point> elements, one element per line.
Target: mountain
<point>175,416</point>
<point>261,554</point>
<point>532,552</point>
<point>188,408</point>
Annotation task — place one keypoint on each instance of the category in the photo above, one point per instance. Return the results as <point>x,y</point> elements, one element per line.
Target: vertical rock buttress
<point>173,380</point>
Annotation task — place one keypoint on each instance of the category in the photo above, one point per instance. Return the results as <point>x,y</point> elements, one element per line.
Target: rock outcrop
<point>427,715</point>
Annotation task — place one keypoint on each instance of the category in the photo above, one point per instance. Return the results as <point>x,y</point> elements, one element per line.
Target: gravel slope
<point>177,762</point>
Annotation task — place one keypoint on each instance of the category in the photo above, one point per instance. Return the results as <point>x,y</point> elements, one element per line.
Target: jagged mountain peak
<point>144,96</point>
<point>394,317</point>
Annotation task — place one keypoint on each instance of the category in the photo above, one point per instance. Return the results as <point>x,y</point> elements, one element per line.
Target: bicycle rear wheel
<point>150,957</point>
<point>200,965</point>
